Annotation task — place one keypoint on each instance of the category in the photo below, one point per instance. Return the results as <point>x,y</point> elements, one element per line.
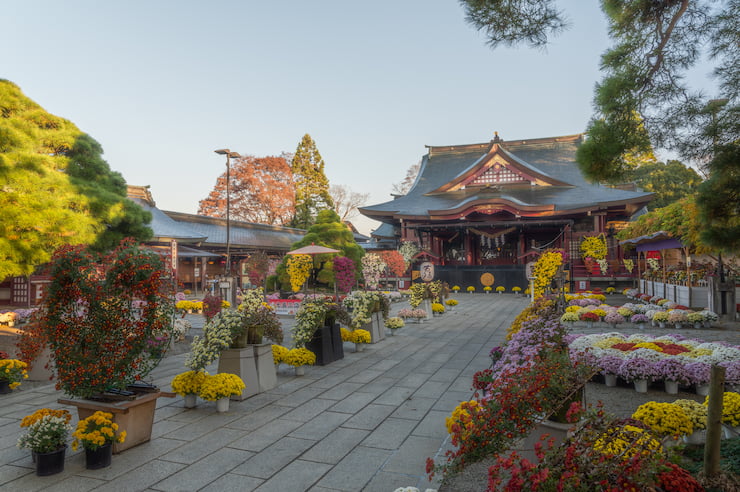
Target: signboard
<point>426,271</point>
<point>173,254</point>
<point>196,272</point>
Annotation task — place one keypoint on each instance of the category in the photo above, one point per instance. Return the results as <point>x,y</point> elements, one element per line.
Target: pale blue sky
<point>161,84</point>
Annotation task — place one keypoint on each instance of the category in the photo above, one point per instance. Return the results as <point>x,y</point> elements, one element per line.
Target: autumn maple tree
<point>394,262</point>
<point>261,190</point>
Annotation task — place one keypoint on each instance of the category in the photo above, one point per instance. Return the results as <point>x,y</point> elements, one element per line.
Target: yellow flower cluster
<point>545,269</point>
<point>462,416</point>
<point>299,269</point>
<point>599,312</point>
<point>97,430</point>
<point>649,345</point>
<point>626,442</point>
<point>189,305</point>
<point>188,383</point>
<point>13,371</point>
<point>28,420</point>
<point>730,408</point>
<point>437,308</point>
<point>361,336</point>
<point>220,386</point>
<point>346,334</point>
<point>695,411</point>
<point>278,353</point>
<point>665,419</point>
<point>594,247</point>
<point>300,357</point>
<point>451,302</point>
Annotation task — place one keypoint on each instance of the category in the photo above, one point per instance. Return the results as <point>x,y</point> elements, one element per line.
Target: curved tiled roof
<point>551,160</point>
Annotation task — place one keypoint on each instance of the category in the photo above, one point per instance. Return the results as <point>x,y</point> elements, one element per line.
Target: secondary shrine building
<point>491,207</point>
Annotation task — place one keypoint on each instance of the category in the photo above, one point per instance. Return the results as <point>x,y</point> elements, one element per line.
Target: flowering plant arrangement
<point>455,288</point>
<point>47,430</point>
<point>13,371</point>
<point>278,353</point>
<point>181,328</point>
<point>610,290</point>
<point>363,304</point>
<point>97,430</point>
<point>588,316</point>
<point>487,288</point>
<point>451,302</point>
<point>221,385</point>
<point>258,319</point>
<point>99,314</point>
<point>629,264</point>
<point>470,288</point>
<point>603,266</point>
<point>695,411</point>
<point>299,357</point>
<point>394,323</point>
<point>188,383</point>
<point>594,247</point>
<point>672,370</point>
<point>361,336</point>
<point>545,268</point>
<point>603,453</point>
<point>344,273</point>
<point>639,319</point>
<point>425,290</point>
<point>217,336</point>
<point>569,317</point>
<point>500,288</point>
<point>437,308</point>
<point>299,269</point>
<point>695,317</point>
<point>665,419</point>
<point>7,317</point>
<point>625,312</point>
<point>211,306</point>
<point>408,250</point>
<point>614,318</point>
<point>677,316</point>
<point>634,369</point>
<point>698,372</point>
<point>660,316</point>
<point>516,289</point>
<point>730,408</point>
<point>372,267</point>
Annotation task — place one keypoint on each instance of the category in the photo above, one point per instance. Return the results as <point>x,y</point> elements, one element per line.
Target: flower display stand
<point>702,389</point>
<point>610,380</point>
<point>426,305</point>
<point>136,416</point>
<point>300,370</point>
<point>376,328</point>
<point>327,344</point>
<point>38,370</point>
<point>696,438</point>
<point>254,364</point>
<point>191,400</point>
<point>99,458</point>
<point>556,430</point>
<point>222,404</point>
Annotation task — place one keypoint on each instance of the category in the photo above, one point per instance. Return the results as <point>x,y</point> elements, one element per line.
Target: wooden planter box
<point>136,417</point>
<point>254,364</point>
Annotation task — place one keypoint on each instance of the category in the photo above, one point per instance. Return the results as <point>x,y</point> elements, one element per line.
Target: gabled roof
<point>527,178</point>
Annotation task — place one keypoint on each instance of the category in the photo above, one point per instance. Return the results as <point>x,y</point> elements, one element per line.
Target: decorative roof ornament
<point>496,138</point>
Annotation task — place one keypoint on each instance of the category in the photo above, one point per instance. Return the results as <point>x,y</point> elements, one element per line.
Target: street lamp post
<point>227,270</point>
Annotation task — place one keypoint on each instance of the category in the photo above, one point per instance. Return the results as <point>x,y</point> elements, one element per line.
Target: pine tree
<point>311,184</point>
<point>56,188</point>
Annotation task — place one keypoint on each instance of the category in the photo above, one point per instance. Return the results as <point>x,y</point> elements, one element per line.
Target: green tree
<point>328,231</point>
<point>669,181</point>
<point>680,219</point>
<point>311,184</point>
<point>56,189</point>
<point>719,201</point>
<point>656,44</point>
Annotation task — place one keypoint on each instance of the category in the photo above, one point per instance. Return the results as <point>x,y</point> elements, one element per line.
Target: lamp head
<point>222,151</point>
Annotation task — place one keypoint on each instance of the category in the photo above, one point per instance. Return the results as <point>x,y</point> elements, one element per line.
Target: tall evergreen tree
<point>311,184</point>
<point>56,189</point>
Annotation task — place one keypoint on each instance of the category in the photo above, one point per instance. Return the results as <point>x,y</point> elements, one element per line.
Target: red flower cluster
<point>99,314</point>
<point>667,348</point>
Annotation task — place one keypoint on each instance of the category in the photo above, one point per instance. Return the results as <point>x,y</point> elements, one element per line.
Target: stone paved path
<point>366,422</point>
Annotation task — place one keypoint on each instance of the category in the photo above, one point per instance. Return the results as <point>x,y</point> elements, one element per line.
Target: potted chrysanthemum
<point>438,309</point>
<point>500,289</point>
<point>360,337</point>
<point>697,414</point>
<point>187,385</point>
<point>12,372</point>
<point>394,323</point>
<point>665,419</point>
<point>96,434</point>
<point>516,290</point>
<point>219,388</point>
<point>299,358</point>
<point>46,437</point>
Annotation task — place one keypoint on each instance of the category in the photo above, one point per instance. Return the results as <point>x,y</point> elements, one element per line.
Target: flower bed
<point>691,358</point>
